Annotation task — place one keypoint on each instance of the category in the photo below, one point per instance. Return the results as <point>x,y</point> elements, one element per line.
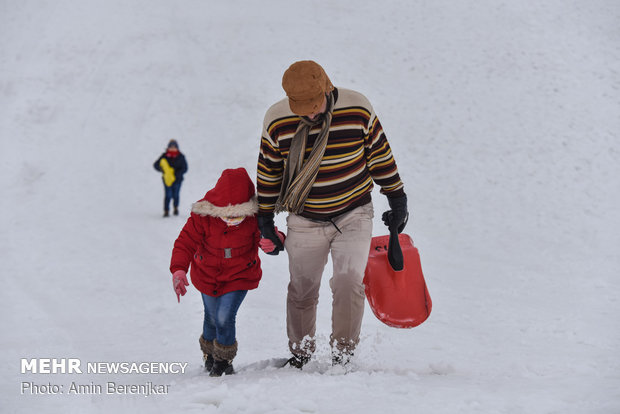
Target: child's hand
<point>179,281</point>
<point>269,246</point>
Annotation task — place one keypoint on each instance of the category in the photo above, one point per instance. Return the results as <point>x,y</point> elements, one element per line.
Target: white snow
<point>504,120</point>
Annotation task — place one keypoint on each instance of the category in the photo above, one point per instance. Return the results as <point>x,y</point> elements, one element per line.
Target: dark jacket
<point>178,163</point>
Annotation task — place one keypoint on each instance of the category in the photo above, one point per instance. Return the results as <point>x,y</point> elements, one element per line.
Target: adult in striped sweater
<point>322,150</point>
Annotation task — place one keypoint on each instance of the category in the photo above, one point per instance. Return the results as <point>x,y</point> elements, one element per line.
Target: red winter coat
<point>223,258</point>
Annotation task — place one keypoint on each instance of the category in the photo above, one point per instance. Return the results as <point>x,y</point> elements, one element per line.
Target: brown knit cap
<point>306,83</point>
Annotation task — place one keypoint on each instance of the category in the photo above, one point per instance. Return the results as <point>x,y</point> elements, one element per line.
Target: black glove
<point>397,217</point>
<point>268,231</point>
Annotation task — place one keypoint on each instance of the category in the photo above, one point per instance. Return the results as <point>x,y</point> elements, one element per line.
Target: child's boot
<point>223,356</point>
<point>207,351</point>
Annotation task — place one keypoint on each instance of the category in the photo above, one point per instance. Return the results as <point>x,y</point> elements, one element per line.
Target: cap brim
<point>307,106</point>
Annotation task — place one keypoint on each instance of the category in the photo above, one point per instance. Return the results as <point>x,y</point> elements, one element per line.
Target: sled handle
<point>395,253</point>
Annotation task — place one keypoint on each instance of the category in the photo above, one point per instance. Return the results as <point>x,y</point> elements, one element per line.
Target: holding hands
<point>272,240</point>
<point>269,247</point>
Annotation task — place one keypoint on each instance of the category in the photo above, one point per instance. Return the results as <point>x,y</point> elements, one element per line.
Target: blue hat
<point>173,144</point>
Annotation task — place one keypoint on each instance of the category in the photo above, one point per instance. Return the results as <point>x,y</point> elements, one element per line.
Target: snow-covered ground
<point>504,120</point>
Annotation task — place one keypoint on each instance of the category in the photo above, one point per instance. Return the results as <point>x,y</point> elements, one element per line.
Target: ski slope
<point>503,119</point>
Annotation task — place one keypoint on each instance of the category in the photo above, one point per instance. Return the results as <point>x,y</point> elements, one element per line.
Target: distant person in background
<point>172,165</point>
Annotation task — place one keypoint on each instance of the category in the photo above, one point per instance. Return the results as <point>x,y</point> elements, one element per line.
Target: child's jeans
<point>172,194</point>
<point>221,315</point>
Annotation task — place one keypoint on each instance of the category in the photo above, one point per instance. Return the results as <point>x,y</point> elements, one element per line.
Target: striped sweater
<point>357,154</point>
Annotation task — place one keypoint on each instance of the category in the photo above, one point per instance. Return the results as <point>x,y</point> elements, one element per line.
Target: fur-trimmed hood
<point>234,195</point>
<point>205,208</point>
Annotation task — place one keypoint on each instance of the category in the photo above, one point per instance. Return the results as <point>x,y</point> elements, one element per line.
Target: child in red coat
<point>220,240</point>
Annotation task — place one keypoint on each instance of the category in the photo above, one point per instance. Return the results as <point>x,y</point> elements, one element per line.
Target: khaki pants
<point>308,244</point>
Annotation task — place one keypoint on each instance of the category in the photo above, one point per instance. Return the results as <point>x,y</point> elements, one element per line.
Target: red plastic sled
<point>398,298</point>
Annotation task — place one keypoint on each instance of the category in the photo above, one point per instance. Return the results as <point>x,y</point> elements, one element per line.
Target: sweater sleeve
<point>380,161</point>
<point>186,245</point>
<point>269,173</point>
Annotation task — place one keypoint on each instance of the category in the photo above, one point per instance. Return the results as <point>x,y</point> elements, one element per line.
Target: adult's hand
<point>397,217</point>
<point>267,245</point>
<point>268,231</point>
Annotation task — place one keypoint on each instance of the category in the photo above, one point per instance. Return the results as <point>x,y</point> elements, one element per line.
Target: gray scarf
<point>299,176</point>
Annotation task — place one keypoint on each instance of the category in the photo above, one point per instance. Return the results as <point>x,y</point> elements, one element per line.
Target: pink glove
<point>267,245</point>
<point>179,281</point>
